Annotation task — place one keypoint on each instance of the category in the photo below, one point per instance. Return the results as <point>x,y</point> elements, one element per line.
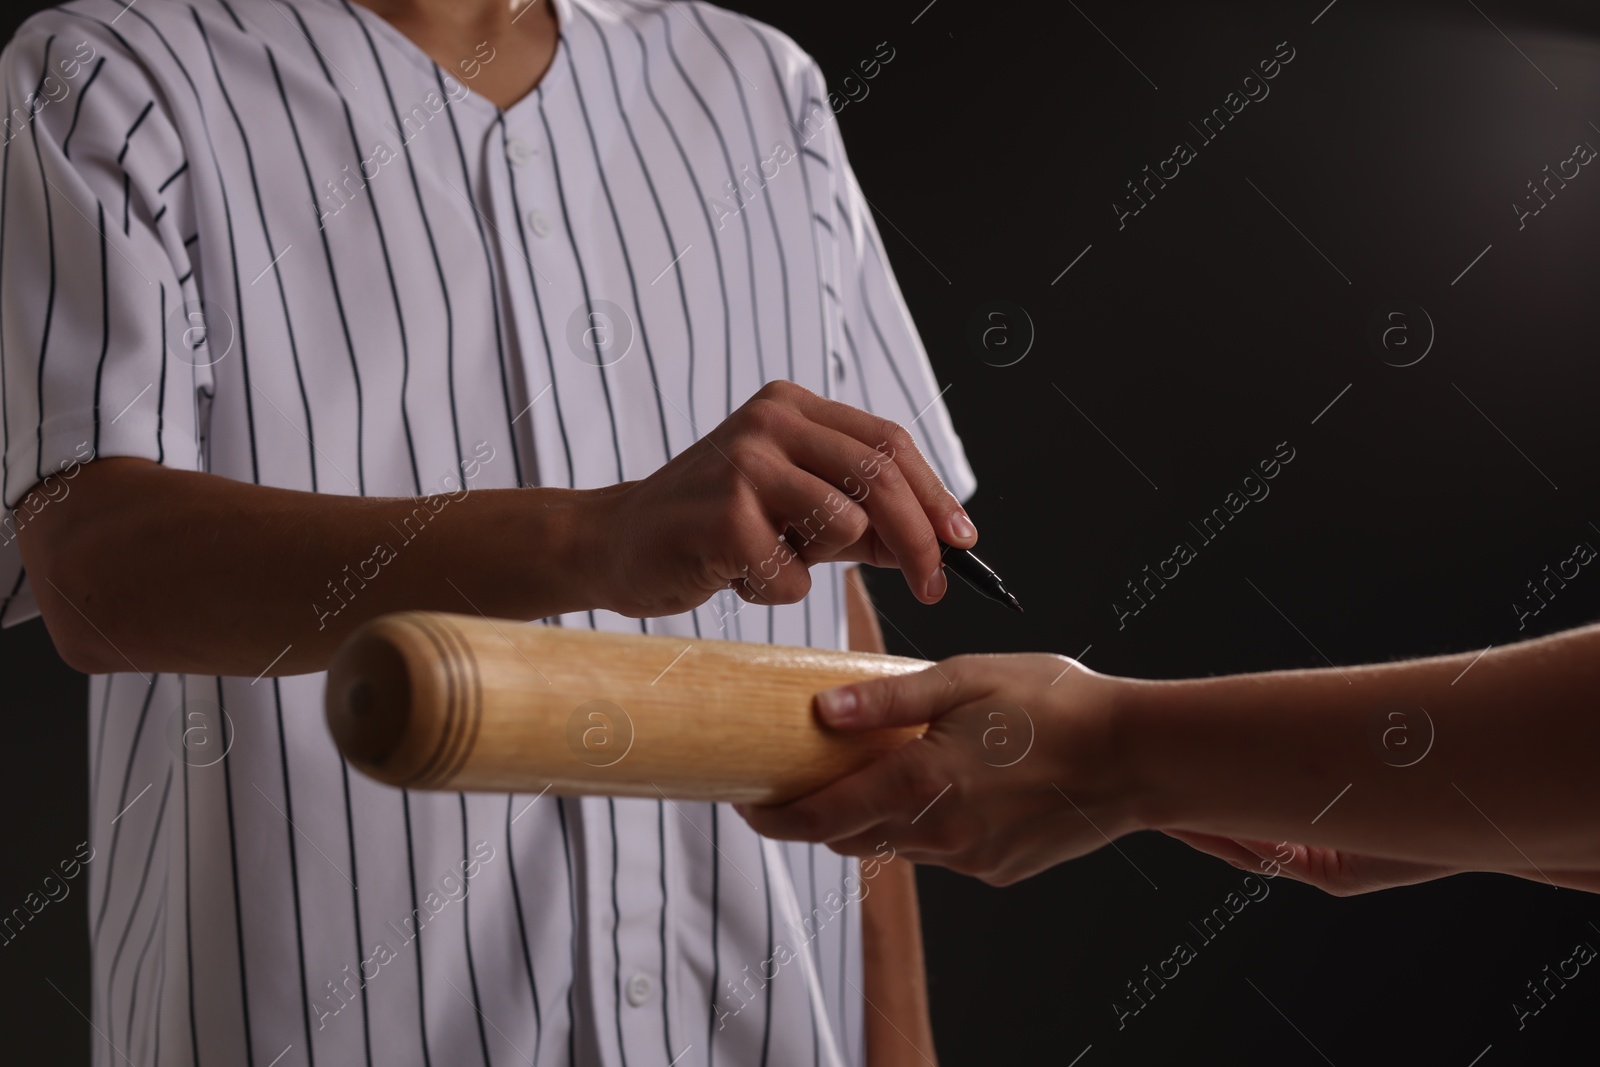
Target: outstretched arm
<point>1497,775</point>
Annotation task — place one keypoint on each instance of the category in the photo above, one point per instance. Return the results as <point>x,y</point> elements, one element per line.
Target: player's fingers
<point>770,571</point>
<point>1223,848</point>
<point>949,519</point>
<point>870,841</point>
<point>879,484</point>
<point>900,700</point>
<point>818,520</point>
<point>898,785</point>
<point>780,578</point>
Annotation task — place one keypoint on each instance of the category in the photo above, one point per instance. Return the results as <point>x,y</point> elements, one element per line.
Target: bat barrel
<point>428,700</point>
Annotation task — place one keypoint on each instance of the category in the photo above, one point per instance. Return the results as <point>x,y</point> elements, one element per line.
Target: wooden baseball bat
<point>428,700</point>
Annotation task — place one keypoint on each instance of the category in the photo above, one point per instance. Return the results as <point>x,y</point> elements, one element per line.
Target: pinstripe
<point>122,803</point>
<point>355,900</point>
<point>855,358</point>
<point>294,871</point>
<point>811,884</point>
<point>616,938</point>
<point>161,389</point>
<point>844,954</point>
<point>238,905</point>
<point>666,986</point>
<point>716,927</point>
<point>128,138</point>
<point>50,300</point>
<point>77,108</point>
<point>411,872</point>
<point>522,933</point>
<point>466,934</point>
<point>175,175</point>
<point>105,323</point>
<point>153,1029</point>
<point>5,404</point>
<point>157,922</point>
<point>188,896</point>
<point>106,681</point>
<point>771,953</point>
<point>572,904</point>
<point>138,898</point>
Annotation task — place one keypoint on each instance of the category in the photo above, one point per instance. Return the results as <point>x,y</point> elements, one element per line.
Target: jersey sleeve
<point>879,339</point>
<point>98,311</point>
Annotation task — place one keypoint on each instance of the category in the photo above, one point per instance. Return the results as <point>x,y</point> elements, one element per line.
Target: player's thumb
<point>901,700</point>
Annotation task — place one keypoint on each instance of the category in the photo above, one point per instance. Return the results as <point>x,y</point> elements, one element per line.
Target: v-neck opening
<point>560,60</point>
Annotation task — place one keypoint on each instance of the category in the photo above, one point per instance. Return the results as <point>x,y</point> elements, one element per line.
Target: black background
<point>1196,338</point>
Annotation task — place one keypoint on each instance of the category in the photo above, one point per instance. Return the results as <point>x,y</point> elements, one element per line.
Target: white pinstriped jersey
<point>272,240</point>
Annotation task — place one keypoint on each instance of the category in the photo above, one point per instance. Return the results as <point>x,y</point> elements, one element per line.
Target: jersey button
<point>639,989</point>
<point>538,224</point>
<point>518,150</point>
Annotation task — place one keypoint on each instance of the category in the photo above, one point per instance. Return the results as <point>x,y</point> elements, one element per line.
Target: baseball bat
<point>436,701</point>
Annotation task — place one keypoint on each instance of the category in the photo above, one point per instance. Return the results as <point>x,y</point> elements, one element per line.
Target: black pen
<point>979,575</point>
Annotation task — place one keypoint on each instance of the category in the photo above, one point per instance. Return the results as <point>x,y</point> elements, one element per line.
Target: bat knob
<point>368,700</point>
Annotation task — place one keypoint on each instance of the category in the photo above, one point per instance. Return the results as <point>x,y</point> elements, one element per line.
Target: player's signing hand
<point>789,480</point>
<point>994,788</point>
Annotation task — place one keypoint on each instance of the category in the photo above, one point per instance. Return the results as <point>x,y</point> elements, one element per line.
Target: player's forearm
<point>146,568</point>
<point>1507,783</point>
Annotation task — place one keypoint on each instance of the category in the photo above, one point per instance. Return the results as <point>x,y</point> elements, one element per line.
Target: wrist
<point>567,529</point>
<point>1146,799</point>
